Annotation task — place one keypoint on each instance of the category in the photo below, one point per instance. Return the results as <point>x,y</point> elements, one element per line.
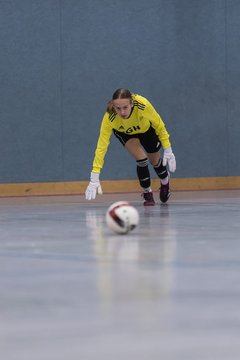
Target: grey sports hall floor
<point>72,290</point>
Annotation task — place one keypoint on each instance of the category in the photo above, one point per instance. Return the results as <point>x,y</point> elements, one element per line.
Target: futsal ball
<point>121,217</point>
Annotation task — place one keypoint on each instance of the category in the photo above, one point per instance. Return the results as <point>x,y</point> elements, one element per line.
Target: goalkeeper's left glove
<point>169,158</point>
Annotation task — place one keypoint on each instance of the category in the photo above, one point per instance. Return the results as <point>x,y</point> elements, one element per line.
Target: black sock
<point>161,170</point>
<point>143,173</point>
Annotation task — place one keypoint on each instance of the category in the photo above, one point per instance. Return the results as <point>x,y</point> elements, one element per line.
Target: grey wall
<point>61,60</point>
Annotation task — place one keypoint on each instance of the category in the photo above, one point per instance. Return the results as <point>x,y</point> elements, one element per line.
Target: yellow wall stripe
<point>111,186</point>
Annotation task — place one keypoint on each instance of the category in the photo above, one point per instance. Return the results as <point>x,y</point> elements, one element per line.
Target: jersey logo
<point>132,128</point>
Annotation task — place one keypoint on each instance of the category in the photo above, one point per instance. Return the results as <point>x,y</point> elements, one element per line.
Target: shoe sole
<point>149,204</point>
<point>166,199</point>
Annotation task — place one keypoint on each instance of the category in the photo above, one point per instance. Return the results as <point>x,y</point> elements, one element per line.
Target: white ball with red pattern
<point>122,217</point>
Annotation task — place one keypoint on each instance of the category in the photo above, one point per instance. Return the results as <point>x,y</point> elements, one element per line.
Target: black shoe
<point>148,197</point>
<point>164,193</point>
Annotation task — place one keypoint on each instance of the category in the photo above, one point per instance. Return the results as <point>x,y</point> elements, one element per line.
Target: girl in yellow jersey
<point>140,129</point>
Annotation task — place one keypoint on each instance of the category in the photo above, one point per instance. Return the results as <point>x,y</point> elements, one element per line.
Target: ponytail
<point>110,108</point>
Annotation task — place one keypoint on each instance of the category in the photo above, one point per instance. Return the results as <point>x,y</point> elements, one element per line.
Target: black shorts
<point>149,140</point>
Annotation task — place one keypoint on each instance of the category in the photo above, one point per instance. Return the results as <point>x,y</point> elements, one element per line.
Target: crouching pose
<point>140,129</point>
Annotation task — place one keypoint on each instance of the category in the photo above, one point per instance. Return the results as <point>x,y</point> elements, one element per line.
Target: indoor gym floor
<point>70,289</point>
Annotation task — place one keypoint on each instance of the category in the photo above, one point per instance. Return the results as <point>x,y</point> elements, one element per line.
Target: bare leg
<point>134,147</point>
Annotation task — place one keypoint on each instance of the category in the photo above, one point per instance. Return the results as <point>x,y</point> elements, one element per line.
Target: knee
<point>155,161</point>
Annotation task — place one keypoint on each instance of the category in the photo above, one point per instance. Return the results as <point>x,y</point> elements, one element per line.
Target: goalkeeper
<point>142,132</point>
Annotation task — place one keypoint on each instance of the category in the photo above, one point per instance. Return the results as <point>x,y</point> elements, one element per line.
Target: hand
<point>94,187</point>
<point>169,158</point>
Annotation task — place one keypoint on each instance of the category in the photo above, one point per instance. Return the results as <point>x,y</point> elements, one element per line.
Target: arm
<point>158,125</point>
<point>102,144</point>
<point>94,185</point>
<point>162,133</point>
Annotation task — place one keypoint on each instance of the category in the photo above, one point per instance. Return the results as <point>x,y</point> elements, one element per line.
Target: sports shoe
<point>148,197</point>
<point>164,193</point>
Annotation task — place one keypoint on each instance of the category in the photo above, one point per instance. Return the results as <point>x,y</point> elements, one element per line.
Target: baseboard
<point>116,186</point>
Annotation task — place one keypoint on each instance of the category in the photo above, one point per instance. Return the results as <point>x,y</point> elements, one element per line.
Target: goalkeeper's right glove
<point>94,187</point>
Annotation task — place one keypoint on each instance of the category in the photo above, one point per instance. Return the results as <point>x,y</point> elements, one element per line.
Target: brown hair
<point>118,94</point>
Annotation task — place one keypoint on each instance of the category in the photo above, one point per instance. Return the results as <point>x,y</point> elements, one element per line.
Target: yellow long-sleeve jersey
<point>142,117</point>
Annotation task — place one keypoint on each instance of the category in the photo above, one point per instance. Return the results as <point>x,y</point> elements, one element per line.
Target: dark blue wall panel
<point>30,116</point>
<point>231,146</point>
<point>61,60</point>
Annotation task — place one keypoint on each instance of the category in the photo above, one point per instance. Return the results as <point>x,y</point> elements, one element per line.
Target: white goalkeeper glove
<point>169,158</point>
<point>94,187</point>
